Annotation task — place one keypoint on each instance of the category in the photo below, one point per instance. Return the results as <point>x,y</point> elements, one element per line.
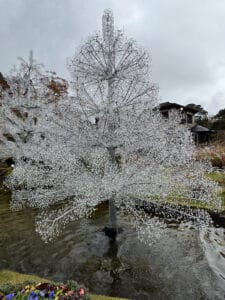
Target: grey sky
<point>186,39</point>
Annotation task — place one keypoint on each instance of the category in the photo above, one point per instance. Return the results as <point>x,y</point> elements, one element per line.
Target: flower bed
<point>69,291</point>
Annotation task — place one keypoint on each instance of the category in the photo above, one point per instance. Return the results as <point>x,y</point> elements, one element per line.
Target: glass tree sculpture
<point>109,142</point>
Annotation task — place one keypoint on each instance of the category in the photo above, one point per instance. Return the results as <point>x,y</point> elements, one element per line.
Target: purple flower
<point>42,294</point>
<point>51,294</point>
<point>33,296</point>
<point>9,296</point>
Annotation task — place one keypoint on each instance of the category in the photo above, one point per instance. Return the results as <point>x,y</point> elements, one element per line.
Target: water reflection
<point>213,241</point>
<point>173,268</point>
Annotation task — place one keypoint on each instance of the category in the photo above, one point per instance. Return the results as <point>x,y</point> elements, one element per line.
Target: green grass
<point>98,297</point>
<point>14,278</point>
<point>176,199</point>
<point>184,202</point>
<point>181,201</point>
<point>219,177</point>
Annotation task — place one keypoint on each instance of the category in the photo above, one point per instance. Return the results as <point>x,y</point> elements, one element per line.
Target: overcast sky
<point>186,40</point>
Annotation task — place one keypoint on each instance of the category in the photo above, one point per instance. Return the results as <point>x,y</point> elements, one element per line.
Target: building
<point>201,135</point>
<point>168,110</point>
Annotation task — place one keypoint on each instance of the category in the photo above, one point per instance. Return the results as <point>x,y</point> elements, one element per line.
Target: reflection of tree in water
<point>115,264</point>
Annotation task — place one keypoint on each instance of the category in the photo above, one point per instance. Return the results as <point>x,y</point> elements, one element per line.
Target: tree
<point>218,124</point>
<point>55,86</point>
<point>198,108</point>
<point>109,142</point>
<point>3,84</point>
<point>201,115</point>
<point>220,114</point>
<point>29,90</point>
<point>22,96</point>
<point>219,120</point>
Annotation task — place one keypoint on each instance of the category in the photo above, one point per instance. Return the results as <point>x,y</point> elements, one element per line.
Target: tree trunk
<point>112,214</point>
<point>112,230</point>
<point>108,34</point>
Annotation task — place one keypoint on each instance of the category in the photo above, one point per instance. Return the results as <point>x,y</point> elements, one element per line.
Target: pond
<point>183,264</point>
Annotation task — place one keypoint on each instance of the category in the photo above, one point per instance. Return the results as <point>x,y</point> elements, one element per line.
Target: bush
<point>218,125</point>
<point>214,153</point>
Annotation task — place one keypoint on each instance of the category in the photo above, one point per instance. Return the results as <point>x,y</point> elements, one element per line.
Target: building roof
<point>170,105</point>
<point>199,128</point>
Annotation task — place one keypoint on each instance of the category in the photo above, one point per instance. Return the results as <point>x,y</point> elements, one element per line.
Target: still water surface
<point>183,264</point>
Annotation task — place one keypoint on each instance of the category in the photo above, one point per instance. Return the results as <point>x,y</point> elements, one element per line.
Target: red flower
<point>70,293</point>
<point>64,289</point>
<point>81,292</point>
